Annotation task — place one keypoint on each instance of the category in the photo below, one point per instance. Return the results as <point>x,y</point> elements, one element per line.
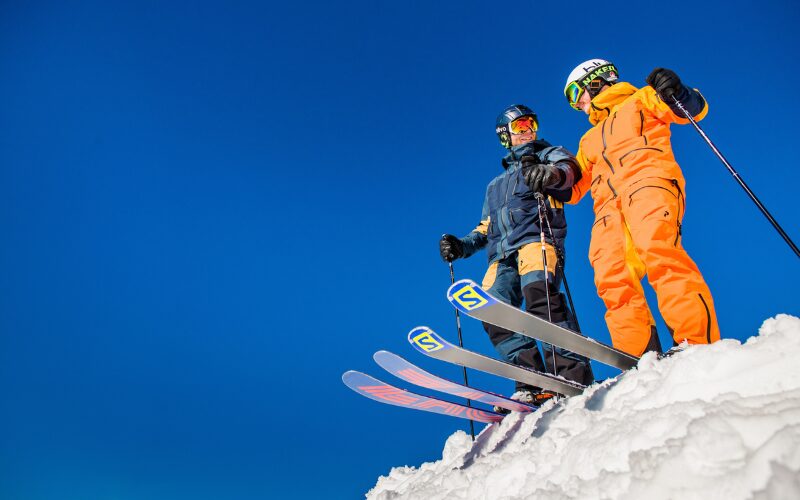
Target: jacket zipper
<point>612,187</point>
<point>681,200</point>
<point>505,224</point>
<point>708,318</point>
<point>603,153</point>
<point>641,127</point>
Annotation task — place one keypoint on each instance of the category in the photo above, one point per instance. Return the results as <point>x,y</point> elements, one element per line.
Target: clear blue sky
<point>212,210</point>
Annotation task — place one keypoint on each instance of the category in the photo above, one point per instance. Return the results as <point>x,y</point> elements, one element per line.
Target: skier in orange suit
<point>637,186</point>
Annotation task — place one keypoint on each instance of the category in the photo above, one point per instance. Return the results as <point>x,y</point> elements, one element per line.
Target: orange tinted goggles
<point>523,125</point>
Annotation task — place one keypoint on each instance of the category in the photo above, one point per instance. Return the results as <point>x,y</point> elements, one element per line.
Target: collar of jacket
<point>607,99</point>
<point>527,149</point>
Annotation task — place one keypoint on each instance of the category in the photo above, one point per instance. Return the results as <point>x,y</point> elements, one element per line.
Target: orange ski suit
<point>638,190</point>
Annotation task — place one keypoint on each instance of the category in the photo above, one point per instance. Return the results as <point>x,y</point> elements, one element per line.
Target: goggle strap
<point>505,132</point>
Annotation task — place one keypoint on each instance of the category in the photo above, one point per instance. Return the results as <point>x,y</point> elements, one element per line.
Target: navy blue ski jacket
<point>510,217</point>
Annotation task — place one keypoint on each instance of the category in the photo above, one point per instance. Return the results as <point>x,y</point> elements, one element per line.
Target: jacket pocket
<point>668,185</point>
<point>658,198</point>
<point>646,148</point>
<point>601,220</point>
<point>519,216</point>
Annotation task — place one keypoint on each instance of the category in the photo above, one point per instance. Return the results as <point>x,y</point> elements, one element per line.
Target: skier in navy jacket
<point>510,230</point>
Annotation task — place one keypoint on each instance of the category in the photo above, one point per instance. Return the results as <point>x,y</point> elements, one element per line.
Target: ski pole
<point>560,265</point>
<point>571,305</point>
<point>540,199</point>
<point>461,344</point>
<point>738,178</point>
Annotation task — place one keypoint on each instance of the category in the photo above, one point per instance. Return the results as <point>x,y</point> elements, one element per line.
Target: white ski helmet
<point>600,70</point>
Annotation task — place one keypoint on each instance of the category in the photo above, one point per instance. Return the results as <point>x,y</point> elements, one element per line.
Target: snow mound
<point>714,421</point>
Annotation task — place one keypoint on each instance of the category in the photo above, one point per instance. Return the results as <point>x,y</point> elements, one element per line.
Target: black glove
<point>666,83</point>
<point>539,176</point>
<point>451,248</point>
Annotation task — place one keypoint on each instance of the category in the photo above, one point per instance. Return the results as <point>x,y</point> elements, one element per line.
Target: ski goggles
<point>574,91</point>
<point>523,125</point>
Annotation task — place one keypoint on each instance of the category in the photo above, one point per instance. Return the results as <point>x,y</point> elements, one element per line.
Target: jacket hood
<point>607,99</point>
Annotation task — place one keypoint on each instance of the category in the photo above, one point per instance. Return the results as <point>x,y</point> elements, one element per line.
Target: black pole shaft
<point>569,297</point>
<point>560,265</point>
<point>540,199</point>
<point>461,344</point>
<point>739,179</point>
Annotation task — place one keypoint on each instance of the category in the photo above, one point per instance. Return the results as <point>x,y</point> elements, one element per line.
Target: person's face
<point>523,130</point>
<point>517,139</point>
<point>585,102</point>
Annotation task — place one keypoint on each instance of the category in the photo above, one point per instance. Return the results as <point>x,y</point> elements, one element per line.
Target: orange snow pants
<point>638,233</point>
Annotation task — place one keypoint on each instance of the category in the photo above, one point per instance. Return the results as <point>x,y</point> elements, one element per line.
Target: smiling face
<point>523,130</point>
<point>517,139</point>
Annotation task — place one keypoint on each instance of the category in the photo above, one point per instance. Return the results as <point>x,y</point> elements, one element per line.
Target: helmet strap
<point>593,88</point>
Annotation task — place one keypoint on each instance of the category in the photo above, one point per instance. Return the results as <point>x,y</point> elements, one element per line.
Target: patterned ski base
<point>384,393</point>
<point>411,373</point>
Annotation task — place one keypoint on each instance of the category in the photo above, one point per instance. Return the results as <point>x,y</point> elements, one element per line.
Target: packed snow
<point>714,421</point>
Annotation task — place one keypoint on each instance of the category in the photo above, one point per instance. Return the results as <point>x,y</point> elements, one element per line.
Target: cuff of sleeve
<point>691,100</point>
<point>567,175</point>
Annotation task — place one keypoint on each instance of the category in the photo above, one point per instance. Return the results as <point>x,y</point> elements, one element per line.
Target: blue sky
<point>210,211</point>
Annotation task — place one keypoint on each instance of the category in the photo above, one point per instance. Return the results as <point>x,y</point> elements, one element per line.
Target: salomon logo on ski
<point>425,340</point>
<point>467,297</point>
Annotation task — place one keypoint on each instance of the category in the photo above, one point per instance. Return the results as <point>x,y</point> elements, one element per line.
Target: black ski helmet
<point>508,115</point>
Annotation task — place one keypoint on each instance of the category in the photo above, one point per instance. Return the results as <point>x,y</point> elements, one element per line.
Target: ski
<point>411,373</point>
<point>430,343</point>
<point>382,392</point>
<point>469,298</point>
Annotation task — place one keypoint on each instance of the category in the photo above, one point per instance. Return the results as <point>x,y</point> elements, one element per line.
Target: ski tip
<point>425,340</point>
<point>383,355</point>
<point>467,296</point>
<point>354,378</point>
<point>350,375</point>
<point>466,280</point>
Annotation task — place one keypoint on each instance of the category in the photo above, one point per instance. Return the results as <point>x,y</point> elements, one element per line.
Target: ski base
<point>413,374</point>
<point>382,392</point>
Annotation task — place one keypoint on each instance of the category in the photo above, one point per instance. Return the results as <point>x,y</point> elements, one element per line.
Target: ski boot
<point>674,350</point>
<point>534,398</point>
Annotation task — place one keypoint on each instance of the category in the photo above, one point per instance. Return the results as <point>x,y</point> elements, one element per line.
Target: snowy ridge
<point>719,421</point>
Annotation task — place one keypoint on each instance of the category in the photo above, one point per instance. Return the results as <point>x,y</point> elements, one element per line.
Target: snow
<point>718,421</point>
